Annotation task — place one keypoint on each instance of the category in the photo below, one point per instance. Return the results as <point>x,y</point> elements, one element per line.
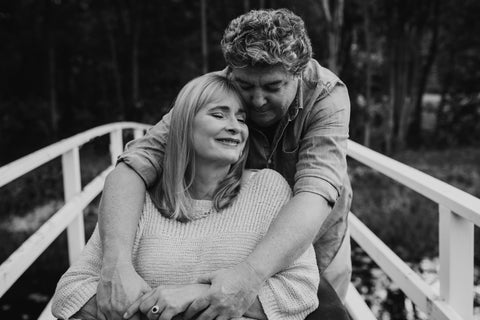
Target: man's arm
<point>121,206</point>
<point>120,210</point>
<point>290,234</point>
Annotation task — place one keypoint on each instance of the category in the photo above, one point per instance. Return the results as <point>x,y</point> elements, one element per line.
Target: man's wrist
<point>115,261</point>
<point>257,270</point>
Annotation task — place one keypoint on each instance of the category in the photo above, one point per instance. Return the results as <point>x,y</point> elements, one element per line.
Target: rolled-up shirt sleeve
<point>145,155</point>
<point>322,165</point>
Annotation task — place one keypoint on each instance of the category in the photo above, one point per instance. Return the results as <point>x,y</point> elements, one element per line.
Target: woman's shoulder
<point>266,177</point>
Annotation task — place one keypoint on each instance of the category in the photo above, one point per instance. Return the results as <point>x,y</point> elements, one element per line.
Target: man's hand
<point>117,289</point>
<point>231,293</point>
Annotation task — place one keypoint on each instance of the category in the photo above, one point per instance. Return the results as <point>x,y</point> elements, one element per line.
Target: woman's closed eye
<point>218,115</point>
<point>241,120</point>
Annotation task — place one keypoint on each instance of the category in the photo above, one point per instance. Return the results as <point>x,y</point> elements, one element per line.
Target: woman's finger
<point>155,311</point>
<point>132,309</point>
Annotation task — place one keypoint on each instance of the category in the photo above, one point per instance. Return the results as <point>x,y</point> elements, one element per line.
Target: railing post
<point>137,133</point>
<point>72,185</point>
<point>456,261</point>
<point>116,145</point>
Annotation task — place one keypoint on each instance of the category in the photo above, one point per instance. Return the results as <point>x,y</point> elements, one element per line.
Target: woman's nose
<point>233,126</point>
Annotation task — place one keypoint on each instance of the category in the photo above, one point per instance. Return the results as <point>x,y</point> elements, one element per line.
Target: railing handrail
<point>18,168</point>
<point>455,208</point>
<point>458,213</point>
<point>461,202</point>
<point>76,199</point>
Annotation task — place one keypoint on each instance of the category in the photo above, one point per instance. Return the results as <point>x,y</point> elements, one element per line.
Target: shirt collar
<point>297,103</point>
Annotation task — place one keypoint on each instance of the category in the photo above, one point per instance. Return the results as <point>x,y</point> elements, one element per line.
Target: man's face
<point>268,92</point>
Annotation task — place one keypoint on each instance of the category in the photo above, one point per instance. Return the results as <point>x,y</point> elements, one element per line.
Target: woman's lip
<point>229,140</point>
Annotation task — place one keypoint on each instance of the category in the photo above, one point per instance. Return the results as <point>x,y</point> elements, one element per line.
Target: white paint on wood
<point>456,262</point>
<point>72,185</point>
<point>442,193</point>
<point>116,145</point>
<point>403,276</point>
<point>356,306</point>
<point>12,268</point>
<point>18,168</point>
<point>47,312</point>
<point>137,133</point>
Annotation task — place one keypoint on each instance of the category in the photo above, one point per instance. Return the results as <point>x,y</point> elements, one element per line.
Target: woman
<point>210,214</point>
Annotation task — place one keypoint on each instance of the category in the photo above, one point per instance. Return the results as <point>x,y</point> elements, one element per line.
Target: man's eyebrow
<point>274,82</point>
<point>271,83</point>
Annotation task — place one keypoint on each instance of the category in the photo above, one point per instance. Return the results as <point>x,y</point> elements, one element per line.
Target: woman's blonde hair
<point>172,194</point>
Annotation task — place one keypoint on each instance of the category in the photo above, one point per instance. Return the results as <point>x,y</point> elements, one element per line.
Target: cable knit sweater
<point>167,251</point>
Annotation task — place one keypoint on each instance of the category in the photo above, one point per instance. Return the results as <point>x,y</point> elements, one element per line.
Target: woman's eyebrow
<point>227,108</point>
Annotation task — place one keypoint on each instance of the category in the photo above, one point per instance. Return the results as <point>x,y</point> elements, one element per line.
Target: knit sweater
<point>167,251</point>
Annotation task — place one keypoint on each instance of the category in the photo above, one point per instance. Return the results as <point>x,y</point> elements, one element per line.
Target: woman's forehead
<point>229,99</point>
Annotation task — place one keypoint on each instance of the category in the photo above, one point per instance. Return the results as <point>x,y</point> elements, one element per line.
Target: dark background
<point>412,69</point>
<point>66,66</point>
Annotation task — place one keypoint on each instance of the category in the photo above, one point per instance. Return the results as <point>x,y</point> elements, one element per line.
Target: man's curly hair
<point>265,38</point>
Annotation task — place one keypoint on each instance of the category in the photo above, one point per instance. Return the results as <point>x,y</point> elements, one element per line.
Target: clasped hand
<point>118,288</point>
<point>232,291</point>
<point>223,294</point>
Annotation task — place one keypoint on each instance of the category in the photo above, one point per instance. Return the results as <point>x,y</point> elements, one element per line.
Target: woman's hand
<point>171,301</point>
<point>118,288</point>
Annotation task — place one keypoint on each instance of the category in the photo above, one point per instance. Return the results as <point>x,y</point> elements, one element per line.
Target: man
<point>298,116</point>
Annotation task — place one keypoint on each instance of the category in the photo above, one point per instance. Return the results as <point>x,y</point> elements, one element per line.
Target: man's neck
<point>207,177</point>
<point>269,132</point>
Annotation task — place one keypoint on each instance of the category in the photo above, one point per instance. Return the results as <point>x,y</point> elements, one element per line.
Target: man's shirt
<point>309,149</point>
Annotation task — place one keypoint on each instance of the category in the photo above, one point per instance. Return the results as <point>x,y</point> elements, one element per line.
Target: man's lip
<point>262,110</point>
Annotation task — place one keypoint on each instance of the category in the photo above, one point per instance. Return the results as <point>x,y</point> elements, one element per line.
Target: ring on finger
<point>155,309</point>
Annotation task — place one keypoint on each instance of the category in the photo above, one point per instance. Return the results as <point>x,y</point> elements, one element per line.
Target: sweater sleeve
<point>80,281</point>
<point>292,293</point>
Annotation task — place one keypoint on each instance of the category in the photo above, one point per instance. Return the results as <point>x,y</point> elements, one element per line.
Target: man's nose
<point>258,99</point>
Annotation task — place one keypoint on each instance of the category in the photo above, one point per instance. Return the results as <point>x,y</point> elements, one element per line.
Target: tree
<point>333,14</point>
<point>203,14</point>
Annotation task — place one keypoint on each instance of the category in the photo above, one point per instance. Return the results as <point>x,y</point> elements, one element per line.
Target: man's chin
<point>264,123</point>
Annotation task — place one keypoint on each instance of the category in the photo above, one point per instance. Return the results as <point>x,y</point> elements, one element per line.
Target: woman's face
<point>220,131</point>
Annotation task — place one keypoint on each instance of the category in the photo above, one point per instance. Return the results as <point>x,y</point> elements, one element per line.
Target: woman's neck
<point>207,178</point>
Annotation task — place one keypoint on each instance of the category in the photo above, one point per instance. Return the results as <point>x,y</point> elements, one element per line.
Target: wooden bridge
<point>458,213</point>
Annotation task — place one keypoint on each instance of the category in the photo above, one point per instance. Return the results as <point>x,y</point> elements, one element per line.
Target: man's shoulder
<point>315,74</point>
<point>320,83</point>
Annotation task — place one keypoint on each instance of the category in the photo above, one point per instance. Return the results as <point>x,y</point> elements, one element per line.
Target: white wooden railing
<point>70,216</point>
<point>458,211</point>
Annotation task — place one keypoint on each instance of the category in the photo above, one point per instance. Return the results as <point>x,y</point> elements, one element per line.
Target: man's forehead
<point>260,75</point>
